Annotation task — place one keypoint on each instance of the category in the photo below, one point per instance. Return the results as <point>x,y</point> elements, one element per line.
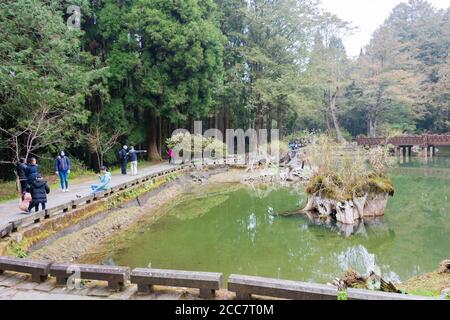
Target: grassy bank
<point>429,284</point>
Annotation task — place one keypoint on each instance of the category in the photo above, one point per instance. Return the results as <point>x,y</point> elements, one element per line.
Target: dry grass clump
<point>380,183</point>
<point>343,173</point>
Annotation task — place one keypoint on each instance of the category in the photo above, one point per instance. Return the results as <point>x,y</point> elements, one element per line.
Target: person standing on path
<point>32,170</point>
<point>170,153</point>
<point>132,155</point>
<point>38,188</point>
<point>62,168</point>
<point>123,154</point>
<point>21,174</point>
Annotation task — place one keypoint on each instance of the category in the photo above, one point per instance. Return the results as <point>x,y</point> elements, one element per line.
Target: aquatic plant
<point>17,250</point>
<point>342,295</point>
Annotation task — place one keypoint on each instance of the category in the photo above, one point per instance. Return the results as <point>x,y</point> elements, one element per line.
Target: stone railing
<point>207,282</point>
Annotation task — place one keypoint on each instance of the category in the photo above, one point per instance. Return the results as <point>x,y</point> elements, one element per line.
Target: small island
<point>348,185</point>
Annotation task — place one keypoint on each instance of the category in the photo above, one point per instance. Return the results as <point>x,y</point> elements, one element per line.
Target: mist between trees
<point>138,69</point>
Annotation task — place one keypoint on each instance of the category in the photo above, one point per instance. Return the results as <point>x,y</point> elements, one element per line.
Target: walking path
<point>9,211</point>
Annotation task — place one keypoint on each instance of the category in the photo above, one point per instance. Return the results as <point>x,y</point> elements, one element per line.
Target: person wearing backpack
<point>38,189</point>
<point>123,155</point>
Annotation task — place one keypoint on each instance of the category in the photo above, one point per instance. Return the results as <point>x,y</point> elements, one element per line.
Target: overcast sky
<point>367,15</point>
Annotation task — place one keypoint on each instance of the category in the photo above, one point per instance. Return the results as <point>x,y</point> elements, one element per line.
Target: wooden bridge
<point>427,143</point>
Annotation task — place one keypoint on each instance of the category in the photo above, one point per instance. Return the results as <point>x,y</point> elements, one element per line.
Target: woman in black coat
<point>39,190</point>
<point>21,173</point>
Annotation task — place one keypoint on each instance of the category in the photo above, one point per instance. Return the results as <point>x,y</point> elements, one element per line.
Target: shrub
<point>47,165</point>
<point>187,141</point>
<point>342,173</point>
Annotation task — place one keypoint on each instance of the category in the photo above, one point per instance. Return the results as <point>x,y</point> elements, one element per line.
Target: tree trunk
<point>217,118</point>
<point>226,119</point>
<point>152,138</point>
<point>372,127</point>
<point>280,122</point>
<point>326,101</point>
<point>160,133</point>
<point>332,109</point>
<point>211,122</point>
<point>327,120</point>
<point>269,126</point>
<point>258,123</point>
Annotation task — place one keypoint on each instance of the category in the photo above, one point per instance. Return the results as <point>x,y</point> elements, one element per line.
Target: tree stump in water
<point>444,267</point>
<point>350,211</point>
<point>375,205</point>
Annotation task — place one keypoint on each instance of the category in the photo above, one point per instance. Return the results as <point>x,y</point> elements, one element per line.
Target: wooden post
<point>425,152</point>
<point>431,152</point>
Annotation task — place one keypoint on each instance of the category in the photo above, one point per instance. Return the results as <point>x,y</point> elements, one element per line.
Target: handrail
<point>244,286</point>
<point>33,218</point>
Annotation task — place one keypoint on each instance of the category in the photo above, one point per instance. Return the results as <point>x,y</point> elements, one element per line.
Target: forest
<point>138,69</point>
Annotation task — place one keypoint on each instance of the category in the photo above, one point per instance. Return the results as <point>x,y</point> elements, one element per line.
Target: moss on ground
<point>429,284</point>
<point>333,187</point>
<point>16,249</point>
<point>380,184</point>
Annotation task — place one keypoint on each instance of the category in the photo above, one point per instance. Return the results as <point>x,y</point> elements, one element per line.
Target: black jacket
<point>32,172</point>
<point>123,155</point>
<point>133,154</point>
<point>39,190</point>
<point>21,171</point>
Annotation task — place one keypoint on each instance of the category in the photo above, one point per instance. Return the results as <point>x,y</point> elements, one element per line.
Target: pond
<point>235,229</point>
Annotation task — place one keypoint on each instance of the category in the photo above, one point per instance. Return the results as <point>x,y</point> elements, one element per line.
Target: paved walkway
<point>9,211</point>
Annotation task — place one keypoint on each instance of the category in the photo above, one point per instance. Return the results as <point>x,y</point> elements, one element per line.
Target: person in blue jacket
<point>105,179</point>
<point>32,170</point>
<point>62,168</point>
<point>123,155</point>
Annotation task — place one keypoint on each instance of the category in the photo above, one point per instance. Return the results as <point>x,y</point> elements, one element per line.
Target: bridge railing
<point>33,218</point>
<point>422,140</point>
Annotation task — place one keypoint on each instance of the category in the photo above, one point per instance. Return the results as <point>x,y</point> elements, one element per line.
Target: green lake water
<point>237,231</point>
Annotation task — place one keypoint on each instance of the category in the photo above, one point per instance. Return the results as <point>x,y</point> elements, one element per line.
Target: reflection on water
<point>359,228</point>
<point>240,231</point>
<point>358,259</point>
